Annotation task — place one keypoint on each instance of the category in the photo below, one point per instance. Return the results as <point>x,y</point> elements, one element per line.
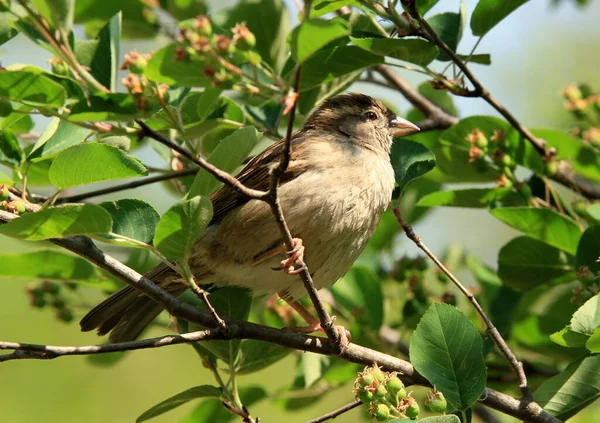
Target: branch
<point>237,329</point>
<point>494,334</point>
<point>129,185</point>
<point>586,189</point>
<point>335,413</point>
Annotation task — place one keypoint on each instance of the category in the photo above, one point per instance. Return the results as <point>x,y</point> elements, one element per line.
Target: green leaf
<point>525,263</point>
<point>569,338</point>
<point>202,391</point>
<point>206,103</point>
<point>571,390</point>
<point>413,50</point>
<point>93,162</point>
<point>584,158</point>
<point>258,355</point>
<point>593,343</point>
<point>410,160</point>
<point>447,350</point>
<point>5,179</point>
<point>587,317</point>
<point>488,13</point>
<point>471,198</point>
<point>359,292</point>
<point>59,222</point>
<point>439,97</point>
<point>448,26</point>
<point>19,121</point>
<point>312,35</point>
<point>163,67</point>
<point>212,410</point>
<point>62,12</point>
<point>269,22</point>
<point>233,302</point>
<point>588,250</point>
<point>450,418</point>
<point>101,106</point>
<point>10,151</point>
<point>423,6</point>
<point>546,225</point>
<point>132,218</point>
<point>326,65</point>
<point>481,59</point>
<point>322,7</point>
<point>46,264</point>
<point>101,55</point>
<point>7,32</point>
<point>57,136</point>
<point>227,156</point>
<point>31,88</point>
<point>181,225</point>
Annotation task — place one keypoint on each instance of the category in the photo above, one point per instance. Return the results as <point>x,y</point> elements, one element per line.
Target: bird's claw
<point>294,264</point>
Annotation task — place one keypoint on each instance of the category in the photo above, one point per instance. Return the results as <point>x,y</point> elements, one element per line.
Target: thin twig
<point>129,185</point>
<point>491,329</point>
<point>586,189</point>
<point>221,175</point>
<point>237,329</point>
<point>333,414</point>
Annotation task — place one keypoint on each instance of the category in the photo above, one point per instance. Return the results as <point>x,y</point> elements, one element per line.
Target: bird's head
<point>360,120</point>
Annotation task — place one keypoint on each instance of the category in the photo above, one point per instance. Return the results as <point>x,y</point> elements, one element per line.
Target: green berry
<point>506,160</point>
<point>378,374</point>
<point>366,379</point>
<point>65,314</point>
<point>58,303</point>
<point>394,384</point>
<point>38,301</point>
<point>380,392</point>
<point>50,287</point>
<point>436,402</point>
<point>412,411</point>
<point>381,413</point>
<point>6,108</point>
<point>365,396</point>
<point>482,142</point>
<point>3,192</point>
<point>551,168</point>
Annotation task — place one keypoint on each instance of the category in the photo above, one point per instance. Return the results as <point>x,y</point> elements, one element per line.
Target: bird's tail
<point>126,313</point>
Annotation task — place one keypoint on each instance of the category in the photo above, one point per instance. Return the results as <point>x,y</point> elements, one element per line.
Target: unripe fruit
<point>65,314</point>
<point>436,402</point>
<point>50,287</point>
<point>203,26</point>
<point>3,192</point>
<point>365,396</point>
<point>381,413</point>
<point>380,392</point>
<point>6,108</point>
<point>506,160</point>
<point>366,379</point>
<point>38,301</point>
<point>394,384</point>
<point>378,374</point>
<point>551,168</point>
<point>58,303</point>
<point>412,411</point>
<point>481,142</point>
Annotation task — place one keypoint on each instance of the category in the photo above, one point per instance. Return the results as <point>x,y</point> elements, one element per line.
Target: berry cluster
<point>584,104</point>
<point>144,92</point>
<point>46,292</point>
<point>590,285</point>
<point>15,207</point>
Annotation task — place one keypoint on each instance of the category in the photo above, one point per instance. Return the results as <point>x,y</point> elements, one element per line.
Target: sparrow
<point>338,183</point>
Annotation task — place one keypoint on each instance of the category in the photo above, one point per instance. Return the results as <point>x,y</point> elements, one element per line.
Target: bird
<point>338,183</point>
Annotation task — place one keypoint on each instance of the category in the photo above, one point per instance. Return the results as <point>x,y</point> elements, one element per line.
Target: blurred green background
<point>535,52</point>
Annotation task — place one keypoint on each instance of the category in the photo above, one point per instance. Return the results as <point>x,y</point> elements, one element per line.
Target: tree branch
<point>338,412</point>
<point>491,329</point>
<point>237,329</point>
<point>129,185</point>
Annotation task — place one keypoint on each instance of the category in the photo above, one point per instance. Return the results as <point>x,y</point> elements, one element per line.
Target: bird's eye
<point>371,115</point>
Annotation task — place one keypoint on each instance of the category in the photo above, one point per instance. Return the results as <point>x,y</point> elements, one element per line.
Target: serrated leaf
<point>447,350</point>
<point>488,13</point>
<point>227,156</point>
<point>58,136</point>
<point>571,390</point>
<point>59,222</point>
<point>181,225</point>
<point>31,88</point>
<point>569,338</point>
<point>587,317</point>
<point>410,160</point>
<point>202,391</point>
<point>545,225</point>
<point>525,263</point>
<point>133,219</point>
<point>310,36</point>
<point>46,264</point>
<point>413,50</point>
<point>93,162</point>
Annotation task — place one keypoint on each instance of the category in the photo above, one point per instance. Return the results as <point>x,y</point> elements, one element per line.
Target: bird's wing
<point>256,175</point>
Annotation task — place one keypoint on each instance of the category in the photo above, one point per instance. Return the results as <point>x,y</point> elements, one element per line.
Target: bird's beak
<point>400,127</point>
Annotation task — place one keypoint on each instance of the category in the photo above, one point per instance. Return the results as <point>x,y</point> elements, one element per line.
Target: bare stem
<point>491,329</point>
<point>338,412</point>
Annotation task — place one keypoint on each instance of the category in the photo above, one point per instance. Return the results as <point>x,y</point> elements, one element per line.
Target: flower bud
<point>243,37</point>
<point>202,25</point>
<point>58,66</point>
<point>571,92</point>
<point>477,138</point>
<point>133,83</point>
<point>436,402</point>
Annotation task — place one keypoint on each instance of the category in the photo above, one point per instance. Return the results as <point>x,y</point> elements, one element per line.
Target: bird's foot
<point>344,339</point>
<point>294,264</point>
